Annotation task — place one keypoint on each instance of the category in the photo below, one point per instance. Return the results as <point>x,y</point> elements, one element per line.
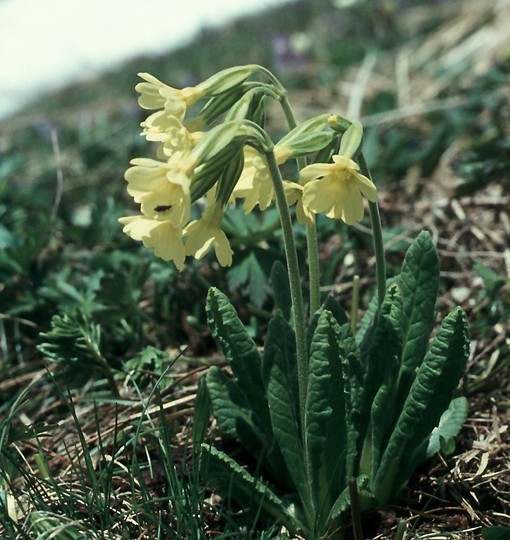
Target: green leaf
<point>378,405</point>
<point>240,351</point>
<point>234,413</point>
<point>450,424</point>
<point>368,320</point>
<point>429,396</point>
<point>249,275</point>
<point>281,290</point>
<point>418,283</point>
<point>332,306</point>
<point>343,502</point>
<point>496,533</point>
<point>74,343</point>
<point>325,415</point>
<point>229,478</point>
<point>355,374</point>
<point>201,414</point>
<point>492,281</point>
<point>282,395</point>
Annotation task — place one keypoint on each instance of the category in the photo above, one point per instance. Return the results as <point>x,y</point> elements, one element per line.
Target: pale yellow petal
<point>314,171</point>
<point>222,249</point>
<point>319,195</point>
<point>367,187</point>
<point>162,236</point>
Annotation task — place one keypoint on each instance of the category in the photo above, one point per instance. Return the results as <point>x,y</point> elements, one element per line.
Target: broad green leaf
<point>368,319</point>
<point>325,415</point>
<point>429,396</point>
<point>448,428</point>
<point>235,416</point>
<point>418,283</point>
<point>382,359</point>
<point>239,349</point>
<point>335,308</point>
<point>281,290</point>
<point>282,395</point>
<point>385,361</point>
<point>233,411</point>
<point>230,479</point>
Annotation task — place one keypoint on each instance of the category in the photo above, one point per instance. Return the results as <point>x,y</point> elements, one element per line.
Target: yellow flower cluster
<point>162,187</point>
<point>222,165</point>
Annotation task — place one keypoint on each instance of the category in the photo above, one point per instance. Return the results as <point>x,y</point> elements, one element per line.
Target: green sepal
<point>227,79</point>
<point>251,104</point>
<point>351,141</point>
<point>215,107</point>
<point>310,126</point>
<point>228,179</point>
<point>339,123</point>
<point>233,481</point>
<point>307,143</point>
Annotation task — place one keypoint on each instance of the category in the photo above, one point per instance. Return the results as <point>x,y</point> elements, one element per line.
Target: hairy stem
<point>294,281</point>
<point>375,219</point>
<point>311,230</point>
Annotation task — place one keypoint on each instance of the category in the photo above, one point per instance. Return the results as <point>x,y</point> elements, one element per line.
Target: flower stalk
<point>298,310</point>
<point>312,245</point>
<point>375,219</point>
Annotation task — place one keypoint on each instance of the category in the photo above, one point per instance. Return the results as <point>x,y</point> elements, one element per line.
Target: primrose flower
<point>336,189</point>
<point>294,194</point>
<point>166,128</point>
<point>158,234</point>
<point>206,232</point>
<point>157,95</point>
<point>255,184</point>
<point>162,189</point>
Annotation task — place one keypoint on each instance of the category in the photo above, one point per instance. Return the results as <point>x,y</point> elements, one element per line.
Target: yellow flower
<point>157,95</point>
<point>336,189</point>
<point>294,194</point>
<point>161,235</point>
<point>206,232</point>
<point>255,184</point>
<point>166,128</point>
<point>162,189</point>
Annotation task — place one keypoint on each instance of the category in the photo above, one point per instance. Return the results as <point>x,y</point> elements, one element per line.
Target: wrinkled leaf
<point>239,349</point>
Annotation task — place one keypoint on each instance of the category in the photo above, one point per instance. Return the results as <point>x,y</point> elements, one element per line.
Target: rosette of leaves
<point>378,405</point>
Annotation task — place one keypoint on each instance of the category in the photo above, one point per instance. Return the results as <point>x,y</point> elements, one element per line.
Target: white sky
<point>47,43</point>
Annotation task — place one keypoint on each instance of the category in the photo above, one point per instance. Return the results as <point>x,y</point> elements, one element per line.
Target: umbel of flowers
<point>230,161</point>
